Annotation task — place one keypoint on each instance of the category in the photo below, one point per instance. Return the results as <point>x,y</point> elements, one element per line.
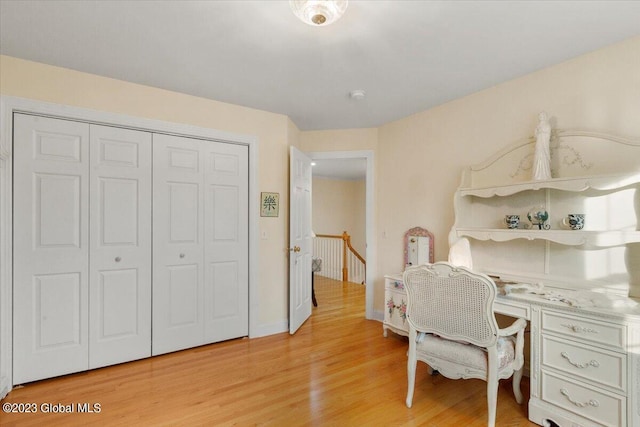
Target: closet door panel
<point>184,209</point>
<point>178,243</point>
<point>223,296</point>
<point>120,257</point>
<point>57,210</point>
<point>226,242</point>
<point>57,308</point>
<point>118,312</point>
<point>119,201</point>
<point>184,291</point>
<point>51,250</point>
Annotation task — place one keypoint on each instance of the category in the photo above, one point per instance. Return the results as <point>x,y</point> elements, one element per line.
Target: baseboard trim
<point>378,315</point>
<point>270,329</point>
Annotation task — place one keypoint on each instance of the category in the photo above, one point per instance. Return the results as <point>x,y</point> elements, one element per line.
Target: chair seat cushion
<point>463,353</point>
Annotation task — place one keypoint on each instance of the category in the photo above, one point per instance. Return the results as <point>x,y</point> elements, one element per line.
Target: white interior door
<point>226,252</point>
<point>178,243</point>
<point>120,248</point>
<point>300,240</point>
<point>51,248</point>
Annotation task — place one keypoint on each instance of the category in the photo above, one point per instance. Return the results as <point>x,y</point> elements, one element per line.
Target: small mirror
<point>418,247</point>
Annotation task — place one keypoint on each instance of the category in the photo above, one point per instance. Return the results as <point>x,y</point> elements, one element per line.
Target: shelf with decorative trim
<point>565,237</point>
<point>573,184</point>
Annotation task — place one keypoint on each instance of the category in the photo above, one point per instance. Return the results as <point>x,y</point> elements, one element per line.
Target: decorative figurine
<point>542,155</point>
<point>539,216</point>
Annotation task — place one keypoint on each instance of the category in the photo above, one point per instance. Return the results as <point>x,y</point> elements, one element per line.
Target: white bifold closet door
<point>120,246</point>
<point>50,247</point>
<point>200,242</point>
<point>82,246</point>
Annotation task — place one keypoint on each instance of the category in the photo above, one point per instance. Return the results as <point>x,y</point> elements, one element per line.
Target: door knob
<point>118,259</point>
<point>181,255</point>
<point>295,249</point>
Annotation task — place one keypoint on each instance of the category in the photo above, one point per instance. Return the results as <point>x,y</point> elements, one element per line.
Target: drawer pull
<point>578,328</point>
<point>593,363</point>
<point>591,402</point>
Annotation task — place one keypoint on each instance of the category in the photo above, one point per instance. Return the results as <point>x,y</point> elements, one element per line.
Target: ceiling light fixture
<point>318,13</point>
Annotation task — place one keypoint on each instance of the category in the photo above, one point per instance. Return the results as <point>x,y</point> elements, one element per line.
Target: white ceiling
<point>408,56</point>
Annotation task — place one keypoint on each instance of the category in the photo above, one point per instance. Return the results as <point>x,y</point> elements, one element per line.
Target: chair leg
<point>517,376</point>
<point>411,376</point>
<point>492,399</point>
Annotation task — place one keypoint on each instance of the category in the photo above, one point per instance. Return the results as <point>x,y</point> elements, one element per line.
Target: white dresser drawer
<point>593,364</point>
<point>587,330</point>
<point>393,284</point>
<point>512,308</point>
<point>601,407</point>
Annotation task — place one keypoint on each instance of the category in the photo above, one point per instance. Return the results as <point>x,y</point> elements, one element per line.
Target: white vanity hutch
<point>578,288</point>
<point>418,249</point>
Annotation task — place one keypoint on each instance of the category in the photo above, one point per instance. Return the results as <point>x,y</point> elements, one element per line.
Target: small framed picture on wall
<point>269,204</point>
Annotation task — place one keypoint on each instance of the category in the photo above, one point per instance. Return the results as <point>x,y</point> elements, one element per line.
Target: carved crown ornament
<point>568,156</point>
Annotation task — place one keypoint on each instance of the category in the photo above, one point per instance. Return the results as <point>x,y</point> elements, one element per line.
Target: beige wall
<point>420,158</point>
<point>417,160</point>
<point>339,140</point>
<point>339,205</point>
<point>274,133</point>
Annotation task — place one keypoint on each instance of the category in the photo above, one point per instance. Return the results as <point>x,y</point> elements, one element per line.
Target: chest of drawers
<point>583,373</point>
<point>395,300</point>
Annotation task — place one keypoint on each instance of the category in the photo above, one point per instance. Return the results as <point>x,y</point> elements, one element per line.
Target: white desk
<point>584,362</point>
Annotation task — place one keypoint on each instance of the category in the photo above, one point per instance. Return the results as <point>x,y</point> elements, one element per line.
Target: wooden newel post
<point>345,269</point>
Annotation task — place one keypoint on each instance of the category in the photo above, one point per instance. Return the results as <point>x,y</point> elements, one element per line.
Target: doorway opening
<point>355,167</point>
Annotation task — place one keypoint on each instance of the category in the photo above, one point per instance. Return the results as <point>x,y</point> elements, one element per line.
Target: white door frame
<point>369,234</point>
<point>9,105</point>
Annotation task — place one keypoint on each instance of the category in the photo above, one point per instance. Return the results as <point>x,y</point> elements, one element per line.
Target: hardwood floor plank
<point>337,370</point>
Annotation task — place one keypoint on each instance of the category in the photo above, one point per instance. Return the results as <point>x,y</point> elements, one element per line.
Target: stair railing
<point>340,261</point>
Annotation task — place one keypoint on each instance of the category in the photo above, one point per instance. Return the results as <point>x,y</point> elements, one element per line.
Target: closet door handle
<point>181,255</point>
<point>118,259</point>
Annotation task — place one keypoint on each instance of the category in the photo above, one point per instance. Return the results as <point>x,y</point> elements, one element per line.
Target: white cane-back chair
<point>453,329</point>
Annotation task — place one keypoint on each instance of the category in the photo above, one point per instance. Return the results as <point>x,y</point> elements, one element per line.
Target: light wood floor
<point>337,370</point>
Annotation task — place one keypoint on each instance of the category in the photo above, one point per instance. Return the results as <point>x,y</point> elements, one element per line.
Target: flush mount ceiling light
<point>318,13</point>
